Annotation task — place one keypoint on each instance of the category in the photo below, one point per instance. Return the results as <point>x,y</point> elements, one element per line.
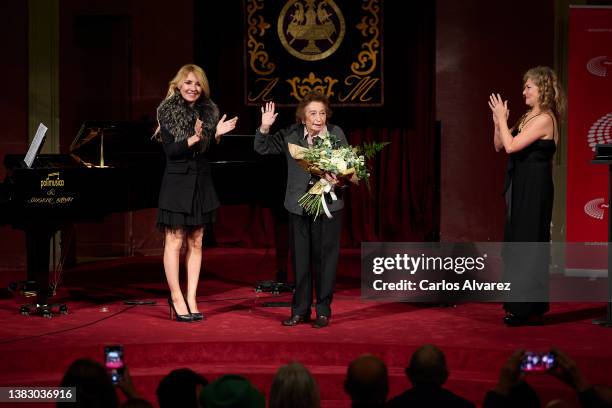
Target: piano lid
<point>121,140</point>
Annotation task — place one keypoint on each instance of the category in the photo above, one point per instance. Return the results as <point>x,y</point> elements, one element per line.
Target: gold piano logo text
<point>51,200</point>
<point>52,180</point>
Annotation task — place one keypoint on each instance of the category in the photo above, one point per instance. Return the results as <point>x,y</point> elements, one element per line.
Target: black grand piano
<point>114,167</point>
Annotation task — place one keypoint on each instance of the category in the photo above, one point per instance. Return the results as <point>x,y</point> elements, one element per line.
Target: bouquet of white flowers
<point>328,156</point>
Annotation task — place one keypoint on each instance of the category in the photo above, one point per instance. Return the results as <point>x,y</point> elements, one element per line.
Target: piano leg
<point>37,249</point>
<point>38,241</point>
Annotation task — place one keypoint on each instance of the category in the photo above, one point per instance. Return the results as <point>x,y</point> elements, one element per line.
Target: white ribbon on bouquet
<point>327,188</point>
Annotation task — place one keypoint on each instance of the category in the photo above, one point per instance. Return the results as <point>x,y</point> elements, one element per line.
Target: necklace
<point>527,119</point>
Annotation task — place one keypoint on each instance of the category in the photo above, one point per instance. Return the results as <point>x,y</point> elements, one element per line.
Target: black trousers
<point>315,250</point>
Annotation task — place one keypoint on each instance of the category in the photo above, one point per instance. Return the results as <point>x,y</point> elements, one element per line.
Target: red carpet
<point>242,335</point>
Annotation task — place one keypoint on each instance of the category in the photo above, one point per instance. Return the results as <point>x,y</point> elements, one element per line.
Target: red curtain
<point>398,205</point>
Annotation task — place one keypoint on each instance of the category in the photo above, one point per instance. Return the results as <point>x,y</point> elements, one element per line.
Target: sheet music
<point>35,145</point>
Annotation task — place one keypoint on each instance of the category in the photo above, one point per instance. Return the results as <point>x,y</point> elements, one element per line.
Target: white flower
<point>339,163</point>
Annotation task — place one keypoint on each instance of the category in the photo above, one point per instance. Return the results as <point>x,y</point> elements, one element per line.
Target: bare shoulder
<point>543,123</point>
<point>543,119</point>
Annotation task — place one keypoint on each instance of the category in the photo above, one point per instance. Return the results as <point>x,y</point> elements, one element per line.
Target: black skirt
<point>171,220</point>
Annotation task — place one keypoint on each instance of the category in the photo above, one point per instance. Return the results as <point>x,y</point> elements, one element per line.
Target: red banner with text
<point>589,122</point>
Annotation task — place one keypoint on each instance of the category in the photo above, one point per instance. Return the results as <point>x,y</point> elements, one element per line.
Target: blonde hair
<point>551,96</point>
<point>181,75</point>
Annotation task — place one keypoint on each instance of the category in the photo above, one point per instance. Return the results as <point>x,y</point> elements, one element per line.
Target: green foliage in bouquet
<point>327,155</point>
<point>368,150</point>
<point>371,149</point>
<point>330,156</point>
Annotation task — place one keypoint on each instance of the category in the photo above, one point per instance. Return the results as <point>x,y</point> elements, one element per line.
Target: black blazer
<point>186,170</point>
<point>297,177</point>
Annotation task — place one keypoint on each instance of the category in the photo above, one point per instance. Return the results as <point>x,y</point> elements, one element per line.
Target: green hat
<point>231,391</point>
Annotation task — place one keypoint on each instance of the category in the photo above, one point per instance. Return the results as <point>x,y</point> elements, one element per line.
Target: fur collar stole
<point>178,117</point>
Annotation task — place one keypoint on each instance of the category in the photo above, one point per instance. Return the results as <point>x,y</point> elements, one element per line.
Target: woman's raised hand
<point>268,116</point>
<point>225,126</point>
<point>499,108</point>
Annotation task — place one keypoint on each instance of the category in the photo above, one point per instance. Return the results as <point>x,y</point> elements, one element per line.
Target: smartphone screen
<point>113,361</point>
<point>537,361</point>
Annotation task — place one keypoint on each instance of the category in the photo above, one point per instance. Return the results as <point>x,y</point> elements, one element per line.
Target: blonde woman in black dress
<point>188,125</point>
<point>529,190</point>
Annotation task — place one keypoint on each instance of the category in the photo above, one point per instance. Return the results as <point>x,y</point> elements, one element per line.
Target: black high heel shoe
<point>197,316</point>
<point>186,318</point>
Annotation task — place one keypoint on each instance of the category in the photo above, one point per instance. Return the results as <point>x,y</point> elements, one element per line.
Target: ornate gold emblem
<point>366,60</point>
<point>303,86</point>
<point>258,57</point>
<point>311,30</point>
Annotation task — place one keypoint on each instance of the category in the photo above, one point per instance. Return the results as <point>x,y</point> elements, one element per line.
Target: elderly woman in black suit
<point>315,242</point>
<point>188,124</point>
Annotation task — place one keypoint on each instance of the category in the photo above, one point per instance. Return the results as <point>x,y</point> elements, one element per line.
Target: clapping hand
<point>499,108</point>
<point>225,126</point>
<point>268,116</point>
<point>198,128</point>
<point>197,136</point>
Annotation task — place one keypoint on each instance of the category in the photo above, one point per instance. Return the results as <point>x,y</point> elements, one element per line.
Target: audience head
<point>523,395</point>
<point>294,387</point>
<point>558,403</point>
<point>180,388</point>
<point>367,381</point>
<point>427,367</point>
<point>137,403</point>
<point>93,385</point>
<point>231,391</point>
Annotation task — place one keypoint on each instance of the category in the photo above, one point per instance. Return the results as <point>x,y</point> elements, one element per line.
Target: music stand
<point>35,146</point>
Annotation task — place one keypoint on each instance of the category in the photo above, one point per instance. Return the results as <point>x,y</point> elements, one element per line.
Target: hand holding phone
<point>113,361</point>
<point>533,361</point>
<point>567,371</point>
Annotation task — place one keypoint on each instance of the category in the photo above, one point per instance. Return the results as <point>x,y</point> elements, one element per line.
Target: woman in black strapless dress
<point>529,192</point>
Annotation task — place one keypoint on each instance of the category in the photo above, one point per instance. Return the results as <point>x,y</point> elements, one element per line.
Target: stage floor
<point>242,334</point>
